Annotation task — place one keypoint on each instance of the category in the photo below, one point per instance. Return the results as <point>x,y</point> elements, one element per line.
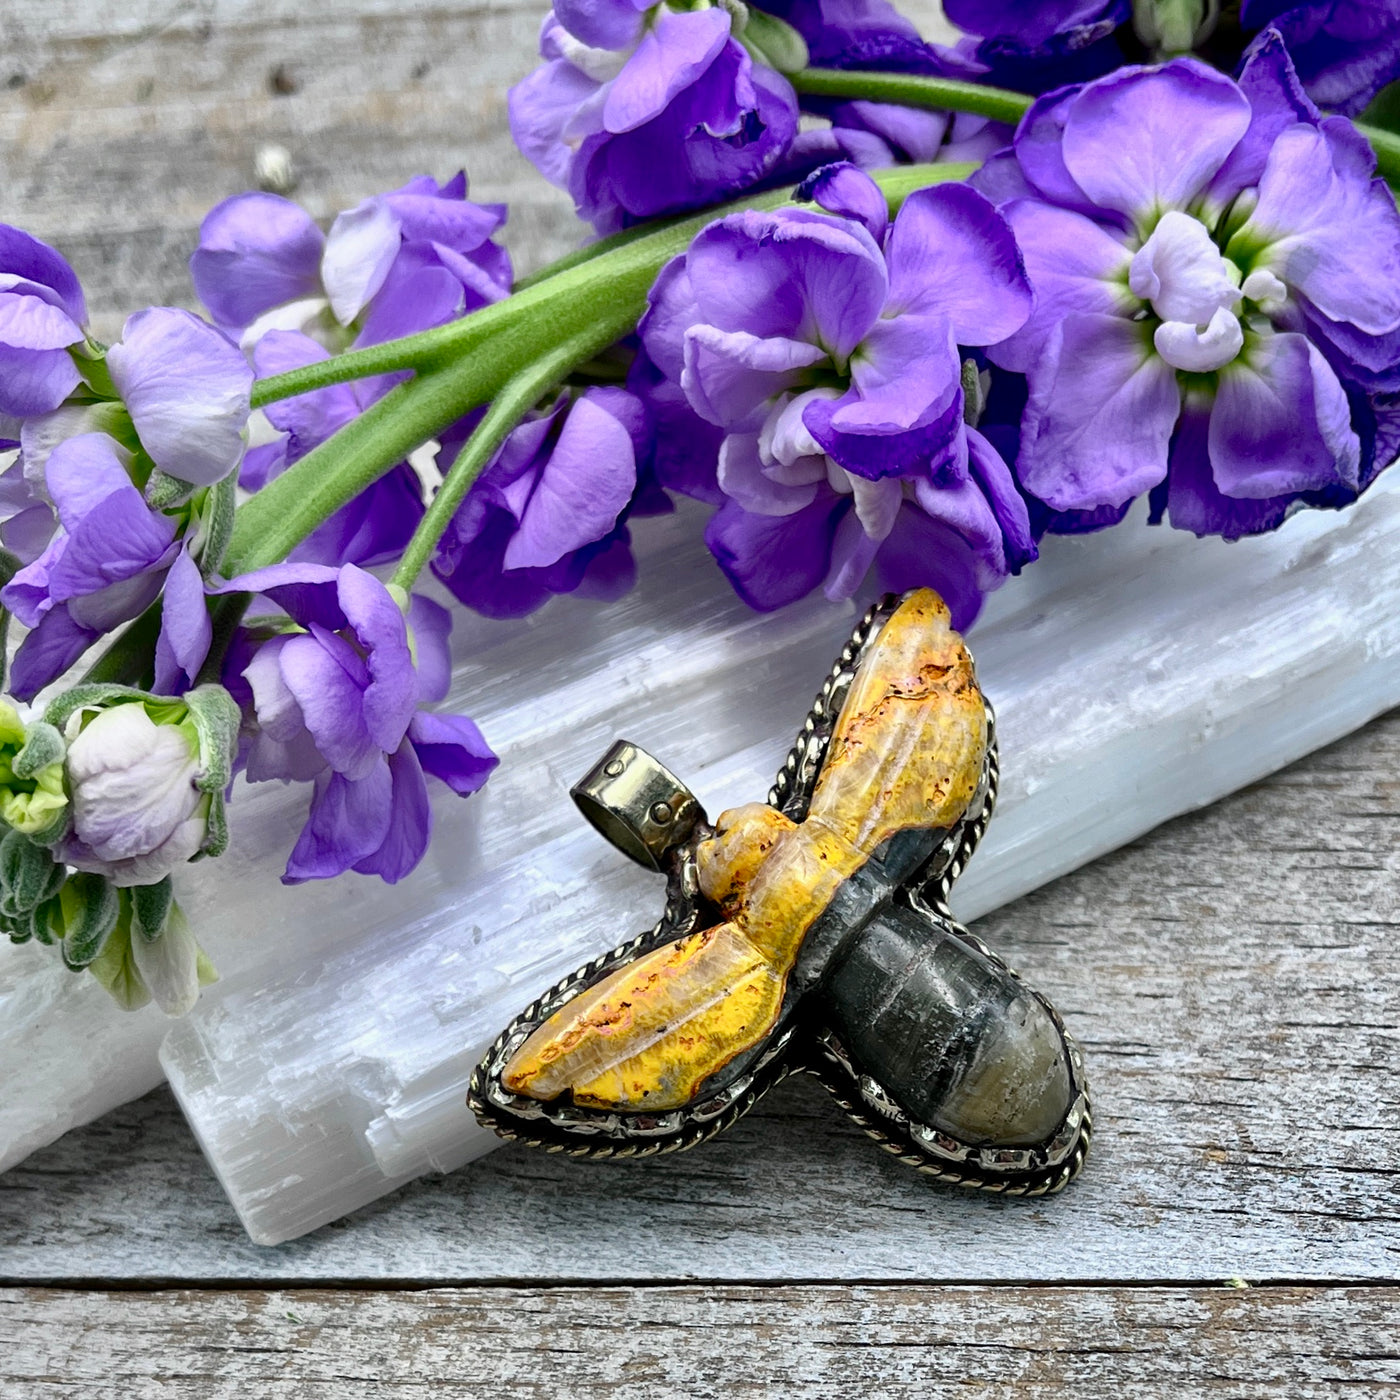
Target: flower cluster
<point>962,296</point>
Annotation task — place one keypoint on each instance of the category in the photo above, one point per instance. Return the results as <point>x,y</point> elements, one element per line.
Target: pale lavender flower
<point>397,263</point>
<point>186,389</point>
<point>1217,279</point>
<point>105,565</point>
<point>337,702</point>
<point>827,348</point>
<point>42,315</point>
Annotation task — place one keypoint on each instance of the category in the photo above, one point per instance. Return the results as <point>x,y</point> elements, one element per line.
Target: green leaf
<point>150,907</point>
<point>773,41</point>
<point>91,906</point>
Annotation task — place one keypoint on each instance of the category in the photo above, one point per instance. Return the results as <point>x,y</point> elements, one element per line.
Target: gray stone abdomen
<point>961,1044</point>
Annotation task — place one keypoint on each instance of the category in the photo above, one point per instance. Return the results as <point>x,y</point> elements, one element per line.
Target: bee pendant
<point>812,933</point>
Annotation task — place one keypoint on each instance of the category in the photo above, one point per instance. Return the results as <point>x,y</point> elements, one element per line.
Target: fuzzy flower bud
<point>146,777</point>
<point>32,799</point>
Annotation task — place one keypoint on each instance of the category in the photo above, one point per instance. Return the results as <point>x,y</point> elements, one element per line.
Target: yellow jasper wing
<point>909,743</point>
<point>648,1035</point>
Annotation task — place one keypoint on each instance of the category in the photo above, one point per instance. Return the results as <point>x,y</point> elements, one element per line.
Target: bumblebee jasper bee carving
<point>812,933</point>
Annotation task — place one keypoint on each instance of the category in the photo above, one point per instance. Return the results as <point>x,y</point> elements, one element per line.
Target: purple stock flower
<point>1345,51</point>
<point>400,262</point>
<point>186,389</point>
<point>375,526</point>
<point>1217,279</point>
<point>337,702</point>
<point>639,111</point>
<point>106,564</point>
<point>42,314</point>
<point>547,514</point>
<point>1034,45</point>
<point>826,346</point>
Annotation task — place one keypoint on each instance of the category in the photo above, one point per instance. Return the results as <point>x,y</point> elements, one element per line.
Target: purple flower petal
<point>1100,416</point>
<point>304,591</point>
<point>323,673</point>
<point>773,560</point>
<point>430,626</point>
<point>360,250</point>
<point>1333,237</point>
<point>47,652</point>
<point>926,553</point>
<point>580,490</point>
<point>791,275</point>
<point>392,694</point>
<point>410,822</point>
<point>1281,423</point>
<point>1276,101</point>
<point>743,480</point>
<point>24,256</point>
<point>1196,503</point>
<point>1029,22</point>
<point>452,748</point>
<point>186,388</point>
<point>730,376</point>
<point>951,254</point>
<point>256,252</point>
<point>348,822</point>
<point>603,24</point>
<point>853,551</point>
<point>845,190</point>
<point>1146,139</point>
<point>1074,264</point>
<point>540,106</point>
<point>1039,147</point>
<point>28,322</point>
<point>35,381</point>
<point>905,406</point>
<point>672,55</point>
<point>185,629</point>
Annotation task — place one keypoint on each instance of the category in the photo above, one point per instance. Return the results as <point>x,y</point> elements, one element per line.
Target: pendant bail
<point>638,805</point>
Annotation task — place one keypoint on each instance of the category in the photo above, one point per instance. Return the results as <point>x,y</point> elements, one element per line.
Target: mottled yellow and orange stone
<point>906,752</point>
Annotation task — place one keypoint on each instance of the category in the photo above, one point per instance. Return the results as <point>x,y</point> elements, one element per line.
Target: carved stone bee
<point>812,933</point>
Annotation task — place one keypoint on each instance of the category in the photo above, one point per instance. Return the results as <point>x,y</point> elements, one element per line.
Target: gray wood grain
<point>1234,979</point>
<point>643,1343</point>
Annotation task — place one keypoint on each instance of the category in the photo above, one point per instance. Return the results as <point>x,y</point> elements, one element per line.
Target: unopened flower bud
<point>32,799</point>
<point>146,777</point>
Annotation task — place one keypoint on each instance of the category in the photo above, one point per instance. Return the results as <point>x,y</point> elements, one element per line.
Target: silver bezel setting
<point>591,1133</point>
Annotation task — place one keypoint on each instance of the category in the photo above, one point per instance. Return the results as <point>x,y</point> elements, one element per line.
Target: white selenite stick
<point>1136,674</point>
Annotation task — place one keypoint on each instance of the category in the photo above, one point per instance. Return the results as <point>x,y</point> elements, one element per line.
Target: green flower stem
<point>507,409</point>
<point>589,281</point>
<point>911,90</point>
<point>468,363</point>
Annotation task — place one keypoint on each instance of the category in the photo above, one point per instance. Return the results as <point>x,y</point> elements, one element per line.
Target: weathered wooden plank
<point>534,1344</point>
<point>115,139</point>
<point>1235,980</point>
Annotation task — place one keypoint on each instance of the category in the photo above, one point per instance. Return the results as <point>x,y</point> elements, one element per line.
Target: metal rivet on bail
<point>638,805</point>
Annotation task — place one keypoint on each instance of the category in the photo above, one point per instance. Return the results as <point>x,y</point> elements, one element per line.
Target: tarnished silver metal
<point>638,805</point>
<point>619,801</point>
